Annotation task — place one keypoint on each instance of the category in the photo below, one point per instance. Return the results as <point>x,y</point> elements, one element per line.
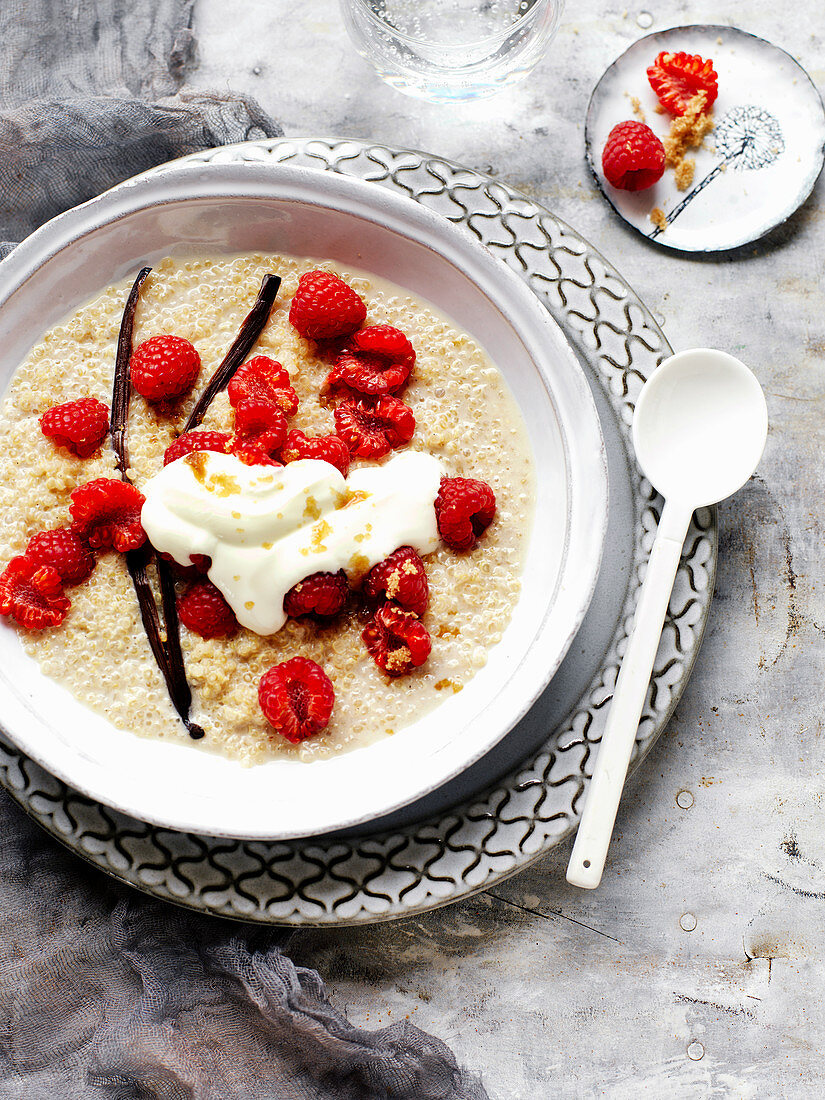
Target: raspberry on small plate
<point>677,78</point>
<point>633,158</point>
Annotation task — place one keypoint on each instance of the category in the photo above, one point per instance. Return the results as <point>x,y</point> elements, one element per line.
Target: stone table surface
<point>696,970</point>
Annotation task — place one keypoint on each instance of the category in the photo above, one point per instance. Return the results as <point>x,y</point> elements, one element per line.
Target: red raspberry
<point>259,424</point>
<point>376,360</point>
<point>266,380</point>
<point>633,158</point>
<point>79,426</point>
<point>163,367</point>
<point>464,509</point>
<point>32,594</point>
<point>324,307</point>
<point>297,698</point>
<point>401,578</point>
<point>371,428</point>
<point>251,455</point>
<point>677,78</point>
<point>397,641</point>
<point>203,610</point>
<point>326,448</point>
<point>106,513</point>
<point>196,441</point>
<point>64,552</point>
<point>319,594</point>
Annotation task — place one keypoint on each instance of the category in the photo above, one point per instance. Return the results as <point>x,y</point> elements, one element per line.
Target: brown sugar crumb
<point>448,632</point>
<point>684,173</point>
<point>448,684</point>
<point>657,216</point>
<point>687,132</point>
<point>398,660</point>
<point>636,104</point>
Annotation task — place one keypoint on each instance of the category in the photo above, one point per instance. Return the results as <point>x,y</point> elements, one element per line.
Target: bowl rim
<point>266,181</point>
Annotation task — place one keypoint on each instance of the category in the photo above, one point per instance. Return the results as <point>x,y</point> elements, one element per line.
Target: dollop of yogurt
<point>266,528</point>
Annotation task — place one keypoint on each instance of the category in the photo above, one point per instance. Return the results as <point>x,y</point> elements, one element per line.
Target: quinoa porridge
<point>465,417</point>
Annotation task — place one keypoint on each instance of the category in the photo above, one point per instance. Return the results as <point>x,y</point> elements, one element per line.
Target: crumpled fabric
<point>105,992</point>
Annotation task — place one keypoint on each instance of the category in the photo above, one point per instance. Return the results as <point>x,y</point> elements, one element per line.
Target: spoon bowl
<point>700,426</point>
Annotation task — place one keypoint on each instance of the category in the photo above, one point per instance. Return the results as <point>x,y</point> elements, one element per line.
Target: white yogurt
<point>266,528</point>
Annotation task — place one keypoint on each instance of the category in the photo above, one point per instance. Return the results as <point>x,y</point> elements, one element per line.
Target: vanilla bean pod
<point>166,649</point>
<point>248,334</point>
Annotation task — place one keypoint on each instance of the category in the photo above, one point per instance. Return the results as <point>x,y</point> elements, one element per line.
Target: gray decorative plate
<point>522,798</point>
<point>757,165</point>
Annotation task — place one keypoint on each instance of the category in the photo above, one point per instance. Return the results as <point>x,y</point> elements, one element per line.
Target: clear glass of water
<point>449,50</point>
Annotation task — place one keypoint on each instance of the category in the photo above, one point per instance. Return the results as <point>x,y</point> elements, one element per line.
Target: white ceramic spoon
<point>699,430</point>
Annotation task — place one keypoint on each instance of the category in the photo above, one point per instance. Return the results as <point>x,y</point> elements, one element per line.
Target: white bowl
<point>230,208</point>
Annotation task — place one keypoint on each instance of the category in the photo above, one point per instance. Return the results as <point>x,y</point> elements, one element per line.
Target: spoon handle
<point>605,790</point>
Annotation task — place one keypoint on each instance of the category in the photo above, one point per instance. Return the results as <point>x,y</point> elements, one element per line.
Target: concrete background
<point>697,968</point>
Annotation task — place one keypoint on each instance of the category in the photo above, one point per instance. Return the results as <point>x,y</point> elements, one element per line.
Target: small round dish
<point>756,167</point>
<point>231,208</point>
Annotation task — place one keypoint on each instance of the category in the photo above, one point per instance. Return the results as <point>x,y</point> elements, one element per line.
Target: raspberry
<point>163,367</point>
<point>324,307</point>
<point>319,594</point>
<point>376,360</point>
<point>297,698</point>
<point>196,441</point>
<point>677,78</point>
<point>400,578</point>
<point>371,428</point>
<point>106,513</point>
<point>326,448</point>
<point>396,640</point>
<point>79,426</point>
<point>251,455</point>
<point>259,424</point>
<point>265,379</point>
<point>203,610</point>
<point>64,552</point>
<point>633,158</point>
<point>464,508</point>
<point>32,594</point>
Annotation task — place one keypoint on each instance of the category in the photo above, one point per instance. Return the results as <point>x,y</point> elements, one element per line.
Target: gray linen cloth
<point>104,992</point>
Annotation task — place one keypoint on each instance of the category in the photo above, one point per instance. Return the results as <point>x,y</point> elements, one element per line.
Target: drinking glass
<point>449,50</point>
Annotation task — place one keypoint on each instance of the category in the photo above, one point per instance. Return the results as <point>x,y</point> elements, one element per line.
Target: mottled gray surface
<point>540,988</point>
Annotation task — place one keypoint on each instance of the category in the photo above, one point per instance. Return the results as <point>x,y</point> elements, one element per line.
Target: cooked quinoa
<point>465,416</point>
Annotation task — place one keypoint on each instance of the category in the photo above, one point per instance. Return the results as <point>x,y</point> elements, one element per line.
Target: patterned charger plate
<point>523,798</point>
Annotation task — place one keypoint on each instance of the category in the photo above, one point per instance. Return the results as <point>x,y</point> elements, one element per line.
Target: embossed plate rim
<point>390,890</point>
